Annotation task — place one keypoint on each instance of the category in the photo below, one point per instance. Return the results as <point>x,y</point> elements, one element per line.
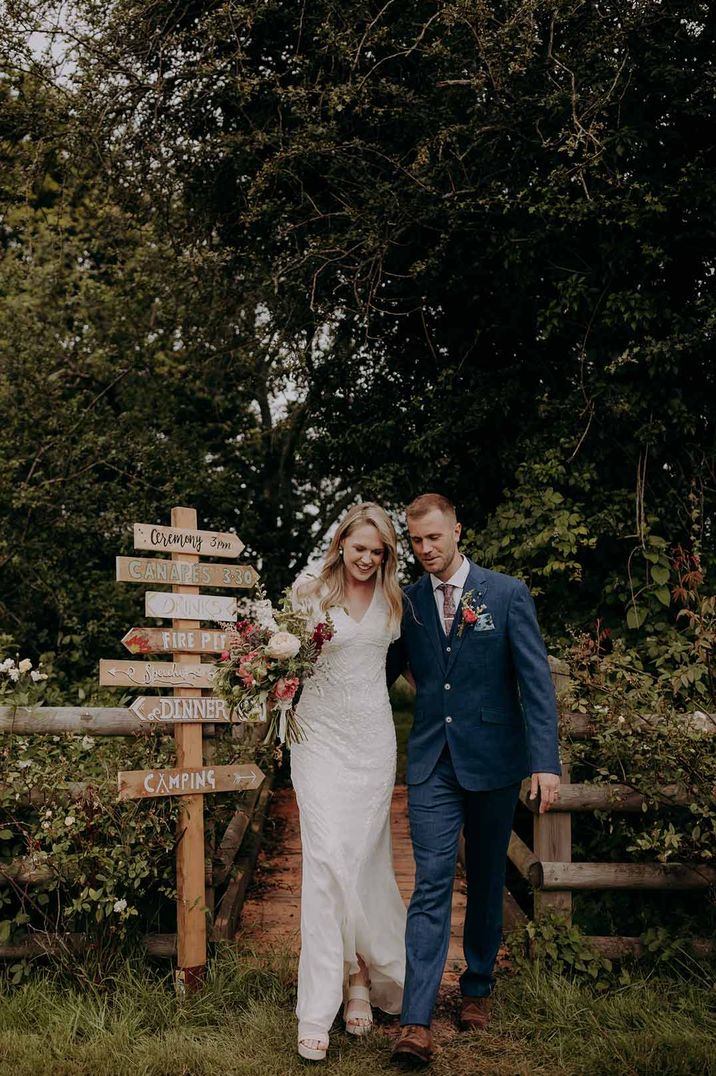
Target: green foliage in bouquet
<point>273,651</point>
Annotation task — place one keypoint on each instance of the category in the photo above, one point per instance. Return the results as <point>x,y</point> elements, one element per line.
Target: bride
<point>343,770</point>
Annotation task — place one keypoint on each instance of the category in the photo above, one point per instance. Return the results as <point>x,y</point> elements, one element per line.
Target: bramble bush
<point>652,712</point>
<point>110,865</point>
<point>651,706</point>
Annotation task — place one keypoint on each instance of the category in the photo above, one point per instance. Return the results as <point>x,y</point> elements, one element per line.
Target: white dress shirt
<point>457,580</point>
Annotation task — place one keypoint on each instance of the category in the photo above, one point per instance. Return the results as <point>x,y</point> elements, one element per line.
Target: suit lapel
<point>477,583</point>
<point>427,612</point>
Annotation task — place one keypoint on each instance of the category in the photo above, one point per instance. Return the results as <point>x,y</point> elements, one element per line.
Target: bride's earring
<point>340,550</point>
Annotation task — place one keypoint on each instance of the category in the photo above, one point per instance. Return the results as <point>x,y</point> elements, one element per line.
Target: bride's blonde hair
<point>329,586</point>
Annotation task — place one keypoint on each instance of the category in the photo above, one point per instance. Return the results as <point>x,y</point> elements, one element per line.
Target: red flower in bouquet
<point>322,634</point>
<point>469,615</point>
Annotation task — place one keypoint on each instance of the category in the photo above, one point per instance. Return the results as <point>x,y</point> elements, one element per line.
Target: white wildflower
<point>6,664</point>
<point>87,743</point>
<point>24,763</point>
<point>45,825</point>
<point>120,905</point>
<point>263,611</point>
<point>25,665</point>
<point>70,820</point>
<point>14,675</point>
<point>48,813</point>
<point>36,676</point>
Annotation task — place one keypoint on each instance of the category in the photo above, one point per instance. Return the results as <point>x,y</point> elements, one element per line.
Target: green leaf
<point>660,573</point>
<point>663,594</point>
<point>636,615</point>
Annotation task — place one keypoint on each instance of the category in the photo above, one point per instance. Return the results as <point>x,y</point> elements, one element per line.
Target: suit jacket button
<point>447,687</point>
<point>448,649</point>
<point>448,720</point>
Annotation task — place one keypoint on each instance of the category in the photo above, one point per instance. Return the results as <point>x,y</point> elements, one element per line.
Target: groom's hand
<point>547,784</point>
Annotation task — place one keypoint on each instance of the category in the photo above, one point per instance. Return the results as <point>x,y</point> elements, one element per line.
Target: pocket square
<point>484,623</point>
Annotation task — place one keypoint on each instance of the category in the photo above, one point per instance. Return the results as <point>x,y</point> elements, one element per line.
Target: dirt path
<point>271,915</point>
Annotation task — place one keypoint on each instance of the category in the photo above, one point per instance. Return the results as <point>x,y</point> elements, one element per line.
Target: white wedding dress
<point>343,773</point>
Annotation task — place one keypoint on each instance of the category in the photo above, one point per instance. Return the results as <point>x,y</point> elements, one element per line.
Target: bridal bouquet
<point>272,653</point>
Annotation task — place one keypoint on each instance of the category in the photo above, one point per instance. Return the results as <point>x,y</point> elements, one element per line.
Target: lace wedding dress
<point>343,773</point>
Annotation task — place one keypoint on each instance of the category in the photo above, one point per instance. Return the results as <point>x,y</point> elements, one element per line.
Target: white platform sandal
<point>313,1052</point>
<point>358,1020</point>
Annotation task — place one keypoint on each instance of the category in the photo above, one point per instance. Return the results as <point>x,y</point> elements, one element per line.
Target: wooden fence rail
<point>228,866</point>
<point>548,866</point>
<point>88,720</point>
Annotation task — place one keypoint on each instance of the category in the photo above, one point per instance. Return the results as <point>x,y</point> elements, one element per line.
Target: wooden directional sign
<point>169,709</point>
<point>143,570</point>
<point>162,603</point>
<point>180,540</point>
<point>155,674</point>
<point>171,640</point>
<point>142,784</point>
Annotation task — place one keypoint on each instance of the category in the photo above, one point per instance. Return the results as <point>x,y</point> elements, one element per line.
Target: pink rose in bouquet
<point>286,688</point>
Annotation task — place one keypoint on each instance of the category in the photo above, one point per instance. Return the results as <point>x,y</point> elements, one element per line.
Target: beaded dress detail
<point>343,773</point>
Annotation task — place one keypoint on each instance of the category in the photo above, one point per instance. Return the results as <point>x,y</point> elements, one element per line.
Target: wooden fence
<point>548,867</point>
<point>229,861</point>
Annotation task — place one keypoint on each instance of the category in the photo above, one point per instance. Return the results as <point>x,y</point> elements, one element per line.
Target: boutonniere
<point>470,611</point>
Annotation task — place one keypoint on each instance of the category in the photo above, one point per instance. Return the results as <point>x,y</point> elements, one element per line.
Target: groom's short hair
<point>426,502</point>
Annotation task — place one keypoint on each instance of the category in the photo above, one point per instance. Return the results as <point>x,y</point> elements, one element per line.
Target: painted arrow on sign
<point>155,674</point>
<point>170,640</point>
<point>143,570</point>
<point>166,709</point>
<point>164,604</point>
<point>142,784</point>
<point>179,540</point>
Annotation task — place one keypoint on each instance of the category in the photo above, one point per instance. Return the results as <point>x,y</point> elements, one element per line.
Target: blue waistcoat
<point>485,690</point>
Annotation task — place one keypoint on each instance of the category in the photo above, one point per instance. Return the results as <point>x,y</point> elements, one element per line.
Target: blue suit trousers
<point>439,808</point>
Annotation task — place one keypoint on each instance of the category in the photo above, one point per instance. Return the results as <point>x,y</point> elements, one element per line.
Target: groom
<point>485,717</point>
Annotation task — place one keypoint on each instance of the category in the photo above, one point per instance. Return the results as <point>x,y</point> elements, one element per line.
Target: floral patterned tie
<point>448,605</point>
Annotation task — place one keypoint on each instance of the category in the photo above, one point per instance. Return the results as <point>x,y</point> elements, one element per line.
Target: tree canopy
<point>348,250</point>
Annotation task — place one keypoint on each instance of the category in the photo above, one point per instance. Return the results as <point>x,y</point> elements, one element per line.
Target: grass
<point>242,1023</point>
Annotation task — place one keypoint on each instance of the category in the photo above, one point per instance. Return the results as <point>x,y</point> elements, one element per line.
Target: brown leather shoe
<point>475,1013</point>
<point>414,1047</point>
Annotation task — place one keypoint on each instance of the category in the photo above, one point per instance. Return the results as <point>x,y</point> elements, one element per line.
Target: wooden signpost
<point>142,570</point>
<point>187,710</point>
<point>162,603</point>
<point>143,784</point>
<point>186,539</point>
<point>169,640</point>
<point>175,711</point>
<point>155,674</point>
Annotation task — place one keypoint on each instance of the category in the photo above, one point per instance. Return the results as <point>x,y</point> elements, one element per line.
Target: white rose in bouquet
<point>282,645</point>
<point>263,612</point>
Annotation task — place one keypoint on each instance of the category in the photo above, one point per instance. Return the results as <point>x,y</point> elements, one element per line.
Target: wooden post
<point>553,832</point>
<point>191,896</point>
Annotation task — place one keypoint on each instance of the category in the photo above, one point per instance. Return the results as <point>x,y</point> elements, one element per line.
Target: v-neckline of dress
<point>358,623</point>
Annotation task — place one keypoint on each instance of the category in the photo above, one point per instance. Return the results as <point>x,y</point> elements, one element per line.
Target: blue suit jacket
<point>488,692</point>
